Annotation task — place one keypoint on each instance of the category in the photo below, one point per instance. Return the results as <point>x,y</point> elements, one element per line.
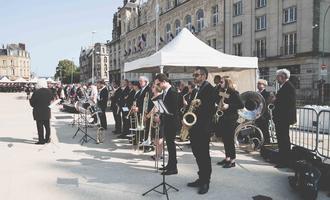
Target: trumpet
<point>189,118</point>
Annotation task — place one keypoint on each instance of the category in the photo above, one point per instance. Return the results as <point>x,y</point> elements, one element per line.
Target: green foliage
<point>64,71</point>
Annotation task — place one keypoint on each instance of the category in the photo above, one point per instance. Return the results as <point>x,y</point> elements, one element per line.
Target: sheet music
<point>161,107</point>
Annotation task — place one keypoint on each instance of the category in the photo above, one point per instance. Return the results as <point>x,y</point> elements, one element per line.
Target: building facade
<point>134,31</point>
<point>282,34</point>
<point>97,58</point>
<point>15,62</point>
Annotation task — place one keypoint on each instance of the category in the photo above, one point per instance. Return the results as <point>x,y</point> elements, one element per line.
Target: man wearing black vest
<point>200,132</point>
<point>284,115</point>
<point>169,122</point>
<point>115,107</point>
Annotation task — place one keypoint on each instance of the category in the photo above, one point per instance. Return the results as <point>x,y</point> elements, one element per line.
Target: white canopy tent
<point>5,80</point>
<point>20,80</point>
<point>186,51</point>
<point>34,80</point>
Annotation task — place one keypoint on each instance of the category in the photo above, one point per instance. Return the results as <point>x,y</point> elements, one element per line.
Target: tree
<point>65,69</point>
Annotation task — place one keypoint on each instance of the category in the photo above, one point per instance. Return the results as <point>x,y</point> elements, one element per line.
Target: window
<point>103,51</point>
<point>187,20</point>
<point>261,3</point>
<point>237,8</point>
<point>215,15</point>
<point>290,15</point>
<point>264,74</point>
<point>261,23</point>
<point>261,48</point>
<point>177,27</point>
<point>290,43</point>
<point>168,33</point>
<point>238,49</point>
<point>105,59</point>
<point>237,29</point>
<point>214,41</point>
<point>200,20</point>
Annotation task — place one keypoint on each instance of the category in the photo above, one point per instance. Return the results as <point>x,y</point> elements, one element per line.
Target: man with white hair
<point>284,115</point>
<point>40,102</point>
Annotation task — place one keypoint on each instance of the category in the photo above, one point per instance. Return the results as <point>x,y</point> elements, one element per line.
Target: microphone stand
<point>165,186</point>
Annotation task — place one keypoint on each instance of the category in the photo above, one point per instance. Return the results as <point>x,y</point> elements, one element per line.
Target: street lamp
<point>93,50</point>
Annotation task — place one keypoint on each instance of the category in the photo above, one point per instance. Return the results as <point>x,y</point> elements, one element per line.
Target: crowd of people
<point>159,108</point>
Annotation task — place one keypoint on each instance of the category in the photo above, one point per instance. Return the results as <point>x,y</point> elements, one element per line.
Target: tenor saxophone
<point>189,118</point>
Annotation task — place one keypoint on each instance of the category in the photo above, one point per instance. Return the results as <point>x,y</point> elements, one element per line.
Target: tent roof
<point>185,52</point>
<point>5,79</point>
<point>34,80</point>
<point>20,80</point>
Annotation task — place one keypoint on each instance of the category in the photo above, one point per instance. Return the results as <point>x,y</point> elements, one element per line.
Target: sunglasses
<point>196,75</point>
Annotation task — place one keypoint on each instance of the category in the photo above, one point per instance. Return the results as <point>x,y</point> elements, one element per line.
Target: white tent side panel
<point>244,80</point>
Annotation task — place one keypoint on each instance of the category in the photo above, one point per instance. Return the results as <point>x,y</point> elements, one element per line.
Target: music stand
<point>84,130</point>
<point>162,109</point>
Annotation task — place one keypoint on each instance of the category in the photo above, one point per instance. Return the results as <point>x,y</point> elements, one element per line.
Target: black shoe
<point>170,172</point>
<point>224,161</point>
<point>203,188</point>
<point>280,166</point>
<point>194,184</point>
<point>39,142</point>
<point>122,137</point>
<point>163,168</point>
<point>229,165</point>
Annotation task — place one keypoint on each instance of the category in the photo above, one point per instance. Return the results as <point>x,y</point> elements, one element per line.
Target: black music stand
<point>84,130</point>
<point>162,109</point>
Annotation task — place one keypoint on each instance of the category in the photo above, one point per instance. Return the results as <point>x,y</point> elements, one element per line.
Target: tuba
<point>189,118</point>
<point>247,133</point>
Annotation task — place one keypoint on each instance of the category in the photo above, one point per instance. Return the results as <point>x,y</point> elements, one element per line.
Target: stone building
<point>134,31</point>
<point>97,57</point>
<point>15,61</point>
<point>282,34</point>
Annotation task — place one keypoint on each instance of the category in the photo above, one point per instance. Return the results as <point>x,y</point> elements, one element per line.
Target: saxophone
<point>219,112</point>
<point>189,118</point>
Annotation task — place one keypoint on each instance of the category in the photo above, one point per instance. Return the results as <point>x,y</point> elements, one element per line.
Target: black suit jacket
<point>285,104</point>
<point>171,121</point>
<point>40,101</point>
<point>266,95</point>
<point>123,97</point>
<point>130,98</point>
<point>205,112</point>
<point>103,101</point>
<point>115,100</point>
<point>234,101</point>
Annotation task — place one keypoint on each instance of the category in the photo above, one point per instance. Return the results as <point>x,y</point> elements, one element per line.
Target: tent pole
<point>161,69</point>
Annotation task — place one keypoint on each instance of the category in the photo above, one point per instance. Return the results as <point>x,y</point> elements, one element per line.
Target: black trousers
<point>103,119</point>
<point>228,127</point>
<point>283,139</point>
<point>263,124</point>
<point>200,147</point>
<point>171,148</point>
<point>126,123</point>
<point>40,126</point>
<point>118,125</point>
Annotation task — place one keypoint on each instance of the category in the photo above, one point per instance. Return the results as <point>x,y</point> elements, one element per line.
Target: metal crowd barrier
<point>312,131</point>
<point>323,133</point>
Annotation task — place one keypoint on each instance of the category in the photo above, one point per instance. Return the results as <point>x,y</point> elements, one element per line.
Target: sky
<point>55,29</point>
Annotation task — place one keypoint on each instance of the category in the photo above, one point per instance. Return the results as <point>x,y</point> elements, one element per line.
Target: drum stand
<point>165,186</point>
